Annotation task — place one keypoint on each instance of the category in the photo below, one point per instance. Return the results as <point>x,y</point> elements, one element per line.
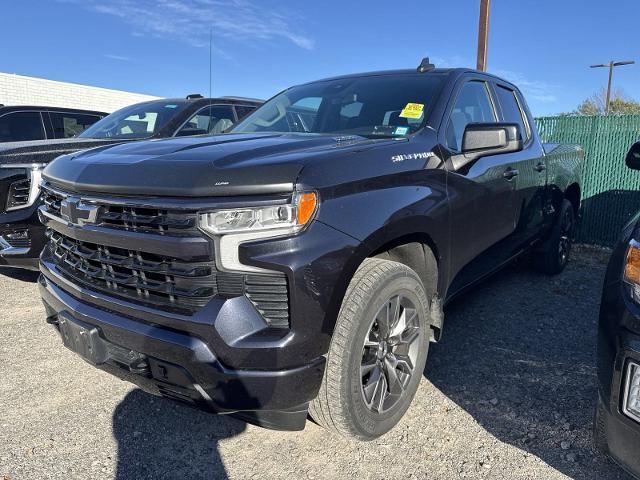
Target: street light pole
<point>611,66</point>
<point>483,35</point>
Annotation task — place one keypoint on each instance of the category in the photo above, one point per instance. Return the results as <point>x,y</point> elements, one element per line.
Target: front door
<point>482,195</point>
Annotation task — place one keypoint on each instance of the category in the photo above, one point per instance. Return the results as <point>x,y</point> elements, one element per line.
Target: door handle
<point>510,173</point>
<point>541,167</point>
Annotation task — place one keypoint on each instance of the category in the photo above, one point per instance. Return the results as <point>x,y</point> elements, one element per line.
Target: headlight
<point>231,227</point>
<point>631,401</point>
<point>292,217</point>
<point>631,274</point>
<point>23,193</point>
<point>632,263</point>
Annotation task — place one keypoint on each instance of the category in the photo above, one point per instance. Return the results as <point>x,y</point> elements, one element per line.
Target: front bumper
<point>622,434</point>
<point>617,346</point>
<point>184,367</point>
<point>25,252</point>
<point>106,282</point>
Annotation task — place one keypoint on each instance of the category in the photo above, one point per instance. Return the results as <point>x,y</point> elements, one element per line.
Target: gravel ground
<point>508,393</point>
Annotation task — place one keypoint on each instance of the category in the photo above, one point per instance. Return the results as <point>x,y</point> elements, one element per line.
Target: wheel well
<point>572,193</point>
<point>417,253</point>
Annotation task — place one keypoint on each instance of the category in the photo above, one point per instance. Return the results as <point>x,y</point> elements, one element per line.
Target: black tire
<point>600,429</point>
<point>553,255</point>
<point>341,405</point>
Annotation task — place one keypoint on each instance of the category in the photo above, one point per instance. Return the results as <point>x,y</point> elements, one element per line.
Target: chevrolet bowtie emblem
<point>74,211</point>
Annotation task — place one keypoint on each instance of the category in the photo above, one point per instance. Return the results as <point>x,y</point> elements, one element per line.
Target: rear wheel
<point>377,354</point>
<point>553,255</point>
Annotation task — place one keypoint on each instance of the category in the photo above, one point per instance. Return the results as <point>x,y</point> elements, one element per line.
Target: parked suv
<point>21,164</point>
<point>21,123</point>
<point>300,263</point>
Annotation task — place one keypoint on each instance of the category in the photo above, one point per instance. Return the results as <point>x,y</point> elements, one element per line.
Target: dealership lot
<point>509,397</point>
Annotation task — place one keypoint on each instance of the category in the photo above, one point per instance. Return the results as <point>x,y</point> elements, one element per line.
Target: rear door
<point>530,163</point>
<point>482,194</point>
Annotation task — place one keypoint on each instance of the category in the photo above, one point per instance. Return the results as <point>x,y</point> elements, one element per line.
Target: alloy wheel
<point>389,354</point>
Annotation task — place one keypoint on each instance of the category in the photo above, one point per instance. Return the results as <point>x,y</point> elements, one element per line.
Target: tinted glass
<point>136,121</point>
<point>473,105</point>
<point>243,110</point>
<point>371,106</point>
<point>214,119</point>
<point>21,126</point>
<point>511,111</point>
<point>67,125</point>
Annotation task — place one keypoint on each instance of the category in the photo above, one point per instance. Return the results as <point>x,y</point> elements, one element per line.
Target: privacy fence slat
<point>610,191</point>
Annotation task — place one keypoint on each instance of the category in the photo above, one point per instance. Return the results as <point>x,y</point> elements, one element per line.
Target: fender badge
<point>412,156</point>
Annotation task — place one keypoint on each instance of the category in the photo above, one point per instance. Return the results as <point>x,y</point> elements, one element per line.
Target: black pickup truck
<point>21,163</point>
<point>300,263</point>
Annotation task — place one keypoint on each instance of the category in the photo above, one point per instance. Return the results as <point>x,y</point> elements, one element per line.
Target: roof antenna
<point>425,65</point>
<point>210,75</point>
<point>210,65</point>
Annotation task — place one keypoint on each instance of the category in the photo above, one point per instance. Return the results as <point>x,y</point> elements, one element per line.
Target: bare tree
<point>620,104</point>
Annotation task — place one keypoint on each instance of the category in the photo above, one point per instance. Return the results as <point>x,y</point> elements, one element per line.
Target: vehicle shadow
<point>159,438</point>
<point>28,276</point>
<point>518,355</point>
<point>604,215</point>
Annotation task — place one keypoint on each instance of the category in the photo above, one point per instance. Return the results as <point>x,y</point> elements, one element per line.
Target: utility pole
<point>610,66</point>
<point>483,35</point>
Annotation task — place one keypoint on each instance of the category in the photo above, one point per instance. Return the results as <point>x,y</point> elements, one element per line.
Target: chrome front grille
<point>149,256</point>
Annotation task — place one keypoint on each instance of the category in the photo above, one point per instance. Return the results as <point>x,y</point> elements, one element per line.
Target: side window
<point>511,111</point>
<point>212,119</point>
<point>243,110</point>
<point>66,125</point>
<point>21,126</point>
<point>473,105</point>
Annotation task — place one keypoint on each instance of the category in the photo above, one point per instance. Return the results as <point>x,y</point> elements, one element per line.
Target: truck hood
<point>222,165</point>
<point>43,151</point>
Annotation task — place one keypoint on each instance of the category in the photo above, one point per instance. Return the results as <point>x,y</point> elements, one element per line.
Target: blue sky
<point>262,46</point>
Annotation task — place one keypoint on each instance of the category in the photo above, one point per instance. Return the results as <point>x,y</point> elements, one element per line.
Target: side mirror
<point>484,139</point>
<point>633,157</point>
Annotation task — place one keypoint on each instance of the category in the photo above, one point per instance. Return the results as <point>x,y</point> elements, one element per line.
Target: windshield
<point>371,106</point>
<point>135,121</point>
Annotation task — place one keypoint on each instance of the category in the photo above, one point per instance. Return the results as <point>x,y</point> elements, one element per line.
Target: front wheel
<point>377,354</point>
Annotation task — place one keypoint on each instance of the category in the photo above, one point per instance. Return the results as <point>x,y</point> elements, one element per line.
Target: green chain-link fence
<point>610,191</point>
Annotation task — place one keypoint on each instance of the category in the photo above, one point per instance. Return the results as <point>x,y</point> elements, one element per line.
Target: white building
<point>20,90</point>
